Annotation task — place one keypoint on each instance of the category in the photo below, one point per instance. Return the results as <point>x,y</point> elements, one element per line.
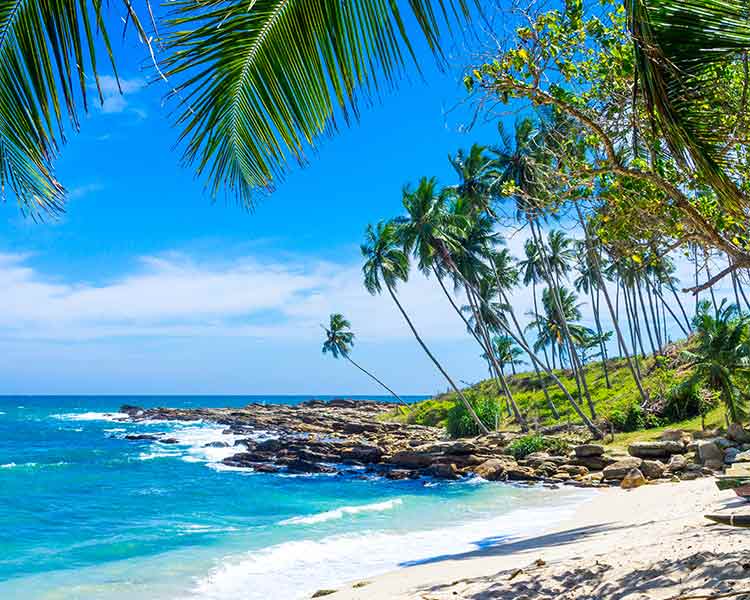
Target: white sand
<point>648,543</point>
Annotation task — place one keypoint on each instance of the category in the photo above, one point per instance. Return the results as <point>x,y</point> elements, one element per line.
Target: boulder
<point>365,453</point>
<point>574,469</point>
<point>653,469</point>
<point>399,474</point>
<point>304,466</point>
<point>459,447</point>
<point>412,459</point>
<point>709,451</point>
<point>633,479</point>
<point>443,471</point>
<point>519,473</point>
<point>587,450</point>
<point>742,457</point>
<point>672,435</point>
<point>216,445</point>
<point>494,468</point>
<point>737,433</point>
<point>662,449</point>
<point>537,459</point>
<point>593,463</point>
<point>730,455</point>
<point>677,464</point>
<point>621,468</point>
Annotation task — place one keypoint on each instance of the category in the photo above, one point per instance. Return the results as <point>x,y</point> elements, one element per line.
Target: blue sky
<point>146,286</point>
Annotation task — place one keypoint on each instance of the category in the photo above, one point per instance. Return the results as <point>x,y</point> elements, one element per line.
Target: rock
<point>142,436</point>
<point>730,455</point>
<point>131,411</point>
<point>663,449</point>
<point>412,459</point>
<point>365,453</point>
<point>574,469</point>
<point>742,457</point>
<point>621,468</point>
<point>272,445</point>
<point>169,441</point>
<point>652,469</point>
<point>594,463</point>
<point>709,451</point>
<point>633,479</point>
<point>321,593</point>
<point>458,448</point>
<point>494,468</point>
<point>399,474</point>
<point>264,468</point>
<point>713,464</point>
<point>724,443</point>
<point>737,433</point>
<point>586,450</point>
<point>519,473</point>
<point>677,464</point>
<point>672,435</point>
<point>443,471</point>
<point>304,466</point>
<point>216,445</point>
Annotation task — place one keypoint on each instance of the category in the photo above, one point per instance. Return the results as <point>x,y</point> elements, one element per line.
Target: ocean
<point>87,514</point>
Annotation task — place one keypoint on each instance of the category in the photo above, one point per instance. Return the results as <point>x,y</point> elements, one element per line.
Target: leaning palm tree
<point>721,357</point>
<point>386,264</point>
<point>339,341</point>
<point>253,83</point>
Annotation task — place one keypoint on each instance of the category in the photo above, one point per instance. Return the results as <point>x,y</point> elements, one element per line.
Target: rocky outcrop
<point>659,449</point>
<point>633,479</point>
<point>618,470</point>
<point>348,437</point>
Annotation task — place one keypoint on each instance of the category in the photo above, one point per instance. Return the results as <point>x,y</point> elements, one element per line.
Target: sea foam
<point>339,513</point>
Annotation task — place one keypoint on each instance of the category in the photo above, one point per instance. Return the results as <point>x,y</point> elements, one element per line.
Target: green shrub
<point>461,424</point>
<point>686,400</point>
<point>632,418</point>
<point>528,444</point>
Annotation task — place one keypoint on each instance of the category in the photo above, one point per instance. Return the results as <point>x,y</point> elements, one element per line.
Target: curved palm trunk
<point>660,297</point>
<point>524,346</point>
<point>440,368</point>
<point>682,308</point>
<point>498,371</point>
<point>554,286</point>
<point>654,315</point>
<point>612,313</point>
<point>495,371</point>
<point>602,345</point>
<point>645,315</point>
<point>366,372</point>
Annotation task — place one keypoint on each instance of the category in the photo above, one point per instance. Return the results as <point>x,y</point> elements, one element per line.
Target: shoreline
<point>653,539</point>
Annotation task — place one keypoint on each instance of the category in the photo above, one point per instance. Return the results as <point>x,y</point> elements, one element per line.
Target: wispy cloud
<point>116,96</point>
<point>176,295</point>
<point>86,189</point>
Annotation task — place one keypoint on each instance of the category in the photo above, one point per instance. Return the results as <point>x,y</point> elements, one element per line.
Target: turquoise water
<point>87,514</point>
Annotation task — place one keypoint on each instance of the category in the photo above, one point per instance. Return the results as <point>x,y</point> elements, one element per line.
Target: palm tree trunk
<point>645,315</point>
<point>487,347</point>
<point>654,315</point>
<point>612,314</point>
<point>708,277</point>
<point>366,372</point>
<point>667,307</point>
<point>536,312</point>
<point>586,421</point>
<point>602,345</point>
<point>469,407</point>
<point>679,303</point>
<point>617,312</point>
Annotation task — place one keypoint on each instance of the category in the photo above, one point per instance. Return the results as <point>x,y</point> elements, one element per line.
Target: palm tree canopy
<point>48,59</point>
<point>255,83</point>
<point>721,357</point>
<point>339,339</point>
<point>686,52</point>
<point>385,261</point>
<point>506,350</point>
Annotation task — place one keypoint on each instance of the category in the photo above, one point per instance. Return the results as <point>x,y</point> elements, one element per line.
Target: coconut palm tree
<point>254,83</point>
<point>721,357</point>
<point>386,263</point>
<point>339,341</point>
<point>507,351</point>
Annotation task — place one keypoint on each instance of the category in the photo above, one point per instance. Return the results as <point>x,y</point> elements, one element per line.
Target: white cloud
<point>115,97</point>
<point>80,191</point>
<point>173,295</point>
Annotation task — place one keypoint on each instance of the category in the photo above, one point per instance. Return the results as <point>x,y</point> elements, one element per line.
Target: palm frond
<point>47,59</point>
<point>684,51</point>
<point>262,81</point>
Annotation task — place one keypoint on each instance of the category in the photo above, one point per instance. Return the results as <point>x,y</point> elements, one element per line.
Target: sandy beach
<point>649,543</point>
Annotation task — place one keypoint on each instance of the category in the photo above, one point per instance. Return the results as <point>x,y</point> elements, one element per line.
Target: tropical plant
<point>387,264</point>
<point>339,341</point>
<point>720,359</point>
<point>254,83</point>
<point>507,352</point>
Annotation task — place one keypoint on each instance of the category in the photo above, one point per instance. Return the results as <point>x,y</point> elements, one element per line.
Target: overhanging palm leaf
<point>683,51</point>
<point>262,80</point>
<point>47,52</point>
